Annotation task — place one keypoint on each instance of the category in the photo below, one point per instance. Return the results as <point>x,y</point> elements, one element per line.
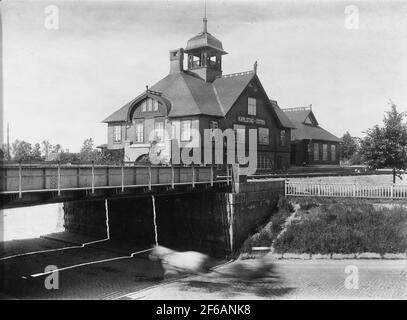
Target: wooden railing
<point>19,179</point>
<point>379,191</point>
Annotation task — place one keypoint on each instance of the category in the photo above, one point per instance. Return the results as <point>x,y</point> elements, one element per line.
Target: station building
<point>197,97</point>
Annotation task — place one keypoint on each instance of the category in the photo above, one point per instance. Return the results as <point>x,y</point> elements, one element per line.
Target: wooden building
<point>311,144</point>
<point>200,97</point>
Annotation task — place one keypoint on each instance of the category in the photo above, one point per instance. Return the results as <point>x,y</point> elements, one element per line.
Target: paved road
<point>139,278</point>
<point>324,279</point>
<point>106,280</point>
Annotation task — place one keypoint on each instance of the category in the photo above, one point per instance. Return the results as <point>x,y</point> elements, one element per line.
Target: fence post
<point>354,191</point>
<point>93,177</point>
<point>392,191</point>
<point>20,180</point>
<point>59,178</point>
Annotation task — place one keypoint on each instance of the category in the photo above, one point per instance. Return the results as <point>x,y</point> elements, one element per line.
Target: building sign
<point>251,120</point>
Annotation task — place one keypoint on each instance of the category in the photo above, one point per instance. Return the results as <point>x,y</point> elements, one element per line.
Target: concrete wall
<point>214,223</point>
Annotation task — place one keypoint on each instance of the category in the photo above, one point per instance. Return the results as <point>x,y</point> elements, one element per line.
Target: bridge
<point>32,184</point>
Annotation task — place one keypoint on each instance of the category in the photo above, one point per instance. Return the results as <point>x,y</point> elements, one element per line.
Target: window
<point>117,134</point>
<point>159,130</point>
<point>333,152</point>
<point>143,106</point>
<point>186,130</point>
<point>316,151</point>
<point>251,106</point>
<point>139,131</point>
<point>155,105</point>
<point>264,136</point>
<point>283,139</point>
<point>240,133</point>
<point>263,162</point>
<point>149,104</point>
<point>213,125</point>
<point>324,152</point>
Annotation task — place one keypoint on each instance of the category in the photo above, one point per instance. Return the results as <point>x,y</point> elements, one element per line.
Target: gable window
<point>324,152</point>
<point>316,151</point>
<point>149,104</point>
<point>333,152</point>
<point>283,138</point>
<point>186,126</point>
<point>117,134</point>
<point>251,106</point>
<point>240,133</point>
<point>139,127</point>
<point>155,105</point>
<point>144,106</point>
<point>264,137</point>
<point>159,130</point>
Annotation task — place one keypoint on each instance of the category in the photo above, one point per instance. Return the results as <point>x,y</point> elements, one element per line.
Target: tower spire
<point>205,21</point>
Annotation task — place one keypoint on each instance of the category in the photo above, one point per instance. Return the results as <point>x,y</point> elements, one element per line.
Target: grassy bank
<point>338,226</point>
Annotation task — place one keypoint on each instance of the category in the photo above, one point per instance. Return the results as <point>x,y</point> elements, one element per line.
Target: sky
<point>59,84</point>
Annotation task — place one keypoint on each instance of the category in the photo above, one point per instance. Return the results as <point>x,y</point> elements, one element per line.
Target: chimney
<point>176,60</point>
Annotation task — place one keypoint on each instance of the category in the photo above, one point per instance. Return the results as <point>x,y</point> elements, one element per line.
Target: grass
<point>345,226</point>
<point>265,236</point>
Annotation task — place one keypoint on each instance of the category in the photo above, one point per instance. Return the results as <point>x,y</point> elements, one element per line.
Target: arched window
<point>149,105</point>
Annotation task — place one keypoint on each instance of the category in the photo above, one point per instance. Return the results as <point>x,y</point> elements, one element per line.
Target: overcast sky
<point>60,84</point>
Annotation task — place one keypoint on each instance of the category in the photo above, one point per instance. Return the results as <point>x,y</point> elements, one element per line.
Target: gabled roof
<point>185,94</point>
<point>285,121</point>
<point>304,131</point>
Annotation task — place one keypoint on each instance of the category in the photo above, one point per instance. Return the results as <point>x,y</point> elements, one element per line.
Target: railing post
<point>211,176</point>
<point>392,191</point>
<point>93,177</point>
<point>20,180</point>
<point>122,170</point>
<point>193,176</point>
<point>227,174</point>
<point>59,178</point>
<point>149,176</point>
<point>172,177</point>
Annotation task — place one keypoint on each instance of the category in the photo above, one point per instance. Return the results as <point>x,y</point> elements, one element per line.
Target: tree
<point>22,150</point>
<point>88,152</point>
<point>386,147</point>
<point>36,152</point>
<point>46,149</point>
<point>350,146</point>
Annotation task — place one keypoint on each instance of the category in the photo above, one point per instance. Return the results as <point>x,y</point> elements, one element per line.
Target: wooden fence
<point>346,190</point>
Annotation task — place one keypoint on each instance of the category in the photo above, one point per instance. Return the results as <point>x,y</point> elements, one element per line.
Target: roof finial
<point>205,21</point>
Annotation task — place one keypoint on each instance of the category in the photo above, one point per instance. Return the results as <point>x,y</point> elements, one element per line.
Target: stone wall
<point>214,223</point>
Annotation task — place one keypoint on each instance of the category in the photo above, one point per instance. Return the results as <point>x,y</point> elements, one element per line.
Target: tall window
<point>149,104</point>
<point>186,133</point>
<point>333,152</point>
<point>155,105</point>
<point>240,133</point>
<point>117,134</point>
<point>283,138</point>
<point>324,152</point>
<point>264,162</point>
<point>159,130</point>
<point>264,136</point>
<point>251,106</point>
<point>144,106</point>
<point>316,151</point>
<point>139,131</point>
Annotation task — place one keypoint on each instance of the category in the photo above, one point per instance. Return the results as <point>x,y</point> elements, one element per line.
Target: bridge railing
<point>348,190</point>
<point>62,177</point>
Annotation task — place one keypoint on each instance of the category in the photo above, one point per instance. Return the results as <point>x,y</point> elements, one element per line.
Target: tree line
<point>24,151</point>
